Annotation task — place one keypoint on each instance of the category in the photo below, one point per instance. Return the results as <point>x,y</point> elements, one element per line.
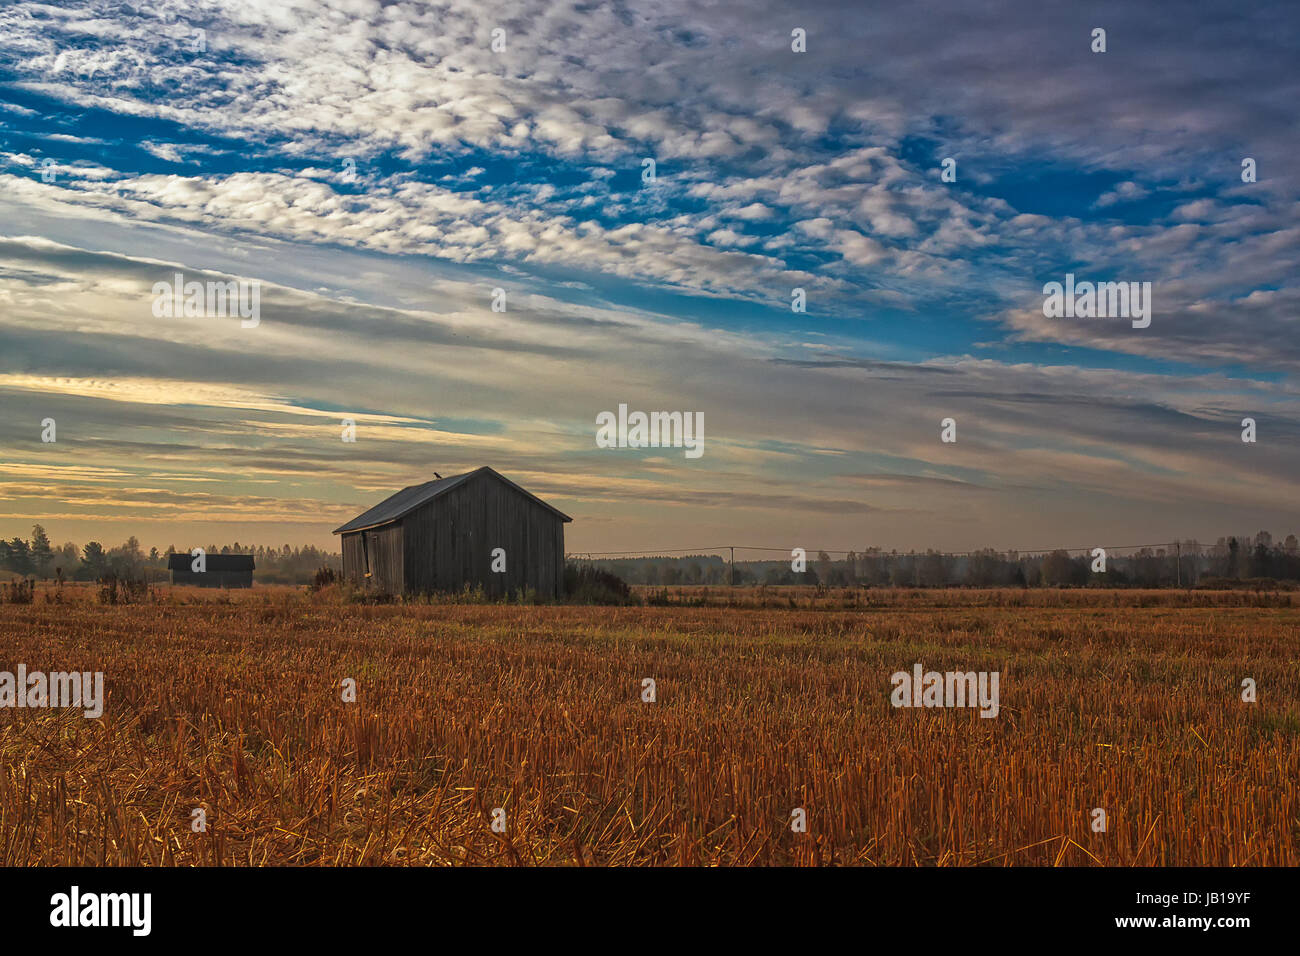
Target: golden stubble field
<point>235,706</point>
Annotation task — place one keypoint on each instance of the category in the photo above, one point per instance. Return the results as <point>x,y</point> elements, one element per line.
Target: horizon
<point>1277,542</point>
<point>486,256</point>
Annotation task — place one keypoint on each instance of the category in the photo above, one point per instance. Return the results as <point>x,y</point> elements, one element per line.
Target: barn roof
<point>181,561</point>
<point>410,498</point>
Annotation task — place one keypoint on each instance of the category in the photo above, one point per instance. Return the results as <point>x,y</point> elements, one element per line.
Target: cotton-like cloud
<point>380,171</point>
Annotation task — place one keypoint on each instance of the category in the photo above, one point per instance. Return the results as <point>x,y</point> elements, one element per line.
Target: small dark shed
<point>222,570</point>
<point>452,532</point>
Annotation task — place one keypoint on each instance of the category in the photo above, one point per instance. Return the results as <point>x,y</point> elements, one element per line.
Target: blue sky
<point>379,169</point>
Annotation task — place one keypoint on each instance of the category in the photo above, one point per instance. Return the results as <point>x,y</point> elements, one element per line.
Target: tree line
<point>1229,561</point>
<point>37,557</point>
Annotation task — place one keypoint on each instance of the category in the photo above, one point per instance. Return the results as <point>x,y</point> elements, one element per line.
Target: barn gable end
<point>440,536</point>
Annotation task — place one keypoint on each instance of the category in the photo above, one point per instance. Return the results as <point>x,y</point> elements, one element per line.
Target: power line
<point>651,553</point>
<point>609,554</point>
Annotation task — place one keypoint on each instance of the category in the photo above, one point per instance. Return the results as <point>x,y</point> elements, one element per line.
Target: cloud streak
<point>381,172</point>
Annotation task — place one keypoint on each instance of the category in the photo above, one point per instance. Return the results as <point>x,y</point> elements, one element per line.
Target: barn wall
<point>449,541</point>
<point>353,566</point>
<point>386,558</point>
<point>420,544</point>
<point>214,579</point>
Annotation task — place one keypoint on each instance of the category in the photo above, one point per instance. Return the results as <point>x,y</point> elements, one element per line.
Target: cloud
<point>380,170</point>
<point>1124,192</point>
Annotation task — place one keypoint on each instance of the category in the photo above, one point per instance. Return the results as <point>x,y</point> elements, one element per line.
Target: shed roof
<point>181,561</point>
<point>408,499</point>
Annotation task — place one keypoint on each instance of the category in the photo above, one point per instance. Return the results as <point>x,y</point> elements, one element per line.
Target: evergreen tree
<point>96,560</point>
<point>20,556</point>
<point>41,552</point>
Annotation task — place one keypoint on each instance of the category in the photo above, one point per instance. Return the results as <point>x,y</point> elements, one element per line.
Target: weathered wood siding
<point>214,579</point>
<point>353,565</point>
<point>449,541</point>
<point>386,558</point>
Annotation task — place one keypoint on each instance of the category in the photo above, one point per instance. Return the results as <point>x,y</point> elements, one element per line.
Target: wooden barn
<point>444,534</point>
<point>223,570</point>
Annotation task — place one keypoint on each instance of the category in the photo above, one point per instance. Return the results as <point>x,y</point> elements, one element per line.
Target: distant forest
<point>40,559</point>
<point>1232,561</point>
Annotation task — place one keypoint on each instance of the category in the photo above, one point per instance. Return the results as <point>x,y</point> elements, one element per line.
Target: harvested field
<point>1124,701</point>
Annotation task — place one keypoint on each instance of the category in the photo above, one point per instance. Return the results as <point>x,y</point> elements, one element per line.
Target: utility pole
<point>1179,561</point>
<point>733,566</point>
